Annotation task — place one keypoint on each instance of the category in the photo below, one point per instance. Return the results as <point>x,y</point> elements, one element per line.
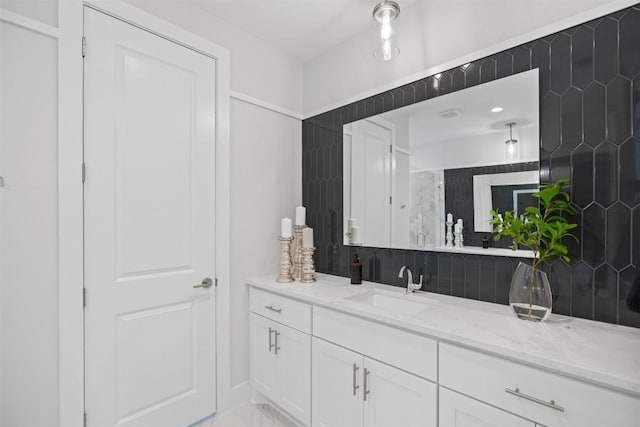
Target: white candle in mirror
<point>355,235</point>
<point>307,237</point>
<point>350,224</point>
<point>285,228</point>
<point>449,217</point>
<point>301,215</point>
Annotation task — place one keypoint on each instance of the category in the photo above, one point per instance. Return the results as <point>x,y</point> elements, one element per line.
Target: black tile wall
<point>590,133</point>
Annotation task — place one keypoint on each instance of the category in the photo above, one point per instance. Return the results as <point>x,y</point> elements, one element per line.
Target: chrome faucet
<point>410,285</point>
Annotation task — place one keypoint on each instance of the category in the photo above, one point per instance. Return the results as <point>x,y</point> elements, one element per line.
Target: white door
<point>397,399</point>
<point>294,372</point>
<point>336,386</point>
<point>149,228</point>
<point>457,410</point>
<point>371,182</point>
<point>263,355</point>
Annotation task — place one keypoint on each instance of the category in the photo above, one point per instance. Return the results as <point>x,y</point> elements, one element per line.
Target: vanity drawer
<point>528,391</point>
<point>284,310</point>
<point>408,351</point>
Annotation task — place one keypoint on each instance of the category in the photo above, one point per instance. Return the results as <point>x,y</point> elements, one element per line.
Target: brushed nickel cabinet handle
<point>366,384</point>
<point>270,343</point>
<point>551,404</point>
<point>355,379</point>
<point>277,334</point>
<point>270,307</point>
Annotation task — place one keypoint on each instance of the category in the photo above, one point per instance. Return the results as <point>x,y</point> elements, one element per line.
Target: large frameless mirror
<point>462,154</point>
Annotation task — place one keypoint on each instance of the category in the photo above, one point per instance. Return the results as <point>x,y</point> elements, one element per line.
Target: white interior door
<point>149,227</point>
<point>371,182</point>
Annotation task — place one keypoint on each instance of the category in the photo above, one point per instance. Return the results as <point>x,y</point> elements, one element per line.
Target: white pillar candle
<point>350,223</point>
<point>307,237</point>
<point>460,222</point>
<point>301,215</point>
<point>355,235</point>
<point>285,228</point>
<point>449,217</point>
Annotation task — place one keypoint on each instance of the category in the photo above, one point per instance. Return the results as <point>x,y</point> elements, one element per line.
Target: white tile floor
<point>249,415</point>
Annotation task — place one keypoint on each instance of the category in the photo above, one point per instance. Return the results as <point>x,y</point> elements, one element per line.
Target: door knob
<point>206,283</point>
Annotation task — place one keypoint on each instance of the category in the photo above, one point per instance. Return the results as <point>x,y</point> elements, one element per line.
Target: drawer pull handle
<point>355,379</point>
<point>551,404</point>
<point>276,334</point>
<point>366,384</point>
<point>270,343</point>
<point>270,307</point>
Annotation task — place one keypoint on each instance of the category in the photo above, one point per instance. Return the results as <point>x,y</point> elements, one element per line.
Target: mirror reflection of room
<point>462,154</point>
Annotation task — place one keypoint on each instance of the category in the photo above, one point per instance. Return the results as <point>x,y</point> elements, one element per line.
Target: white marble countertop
<point>596,352</point>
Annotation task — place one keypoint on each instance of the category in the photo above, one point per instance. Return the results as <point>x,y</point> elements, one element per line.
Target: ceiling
<point>302,28</point>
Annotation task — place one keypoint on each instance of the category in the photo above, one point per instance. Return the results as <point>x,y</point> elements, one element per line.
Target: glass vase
<point>530,294</point>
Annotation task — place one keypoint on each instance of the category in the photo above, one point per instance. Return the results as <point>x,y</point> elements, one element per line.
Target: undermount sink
<point>400,303</point>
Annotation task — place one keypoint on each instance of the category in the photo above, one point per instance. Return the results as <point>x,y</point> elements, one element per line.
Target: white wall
<point>29,288</point>
<point>266,172</point>
<point>257,68</point>
<point>266,168</point>
<point>432,34</point>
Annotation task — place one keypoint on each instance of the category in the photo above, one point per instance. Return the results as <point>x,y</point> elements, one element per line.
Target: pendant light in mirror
<point>385,30</point>
<point>511,145</point>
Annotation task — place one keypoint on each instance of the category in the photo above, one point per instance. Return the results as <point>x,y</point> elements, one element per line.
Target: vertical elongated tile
<point>629,297</point>
<point>560,278</point>
<point>487,279</point>
<point>444,273</point>
<point>457,275</point>
<point>582,288</point>
<point>606,295</point>
<point>472,278</point>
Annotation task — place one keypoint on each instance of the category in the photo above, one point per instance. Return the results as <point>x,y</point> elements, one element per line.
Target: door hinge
<point>216,282</point>
<point>84,420</point>
<point>391,149</point>
<point>84,173</point>
<point>84,298</point>
<point>84,46</point>
<point>390,200</point>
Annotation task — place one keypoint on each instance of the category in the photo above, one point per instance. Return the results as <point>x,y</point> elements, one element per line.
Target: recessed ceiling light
<point>496,109</point>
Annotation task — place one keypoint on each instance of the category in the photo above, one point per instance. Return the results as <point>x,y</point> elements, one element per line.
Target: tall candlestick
<point>301,215</point>
<point>297,257</point>
<point>285,228</point>
<point>307,237</point>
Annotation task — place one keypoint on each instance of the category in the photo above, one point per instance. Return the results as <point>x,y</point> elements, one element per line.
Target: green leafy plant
<point>542,229</point>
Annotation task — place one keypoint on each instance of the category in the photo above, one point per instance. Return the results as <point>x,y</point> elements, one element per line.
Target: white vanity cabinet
<point>280,358</point>
<point>330,362</point>
<point>457,410</point>
<point>369,374</point>
<point>350,389</point>
<point>531,393</point>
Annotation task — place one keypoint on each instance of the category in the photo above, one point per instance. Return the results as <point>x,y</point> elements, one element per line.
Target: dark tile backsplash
<point>590,133</point>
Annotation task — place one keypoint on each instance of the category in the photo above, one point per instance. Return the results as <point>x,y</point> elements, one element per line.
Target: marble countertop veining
<point>596,352</point>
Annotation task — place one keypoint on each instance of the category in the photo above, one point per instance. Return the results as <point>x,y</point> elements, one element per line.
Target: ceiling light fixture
<point>511,145</point>
<point>496,109</point>
<point>385,30</point>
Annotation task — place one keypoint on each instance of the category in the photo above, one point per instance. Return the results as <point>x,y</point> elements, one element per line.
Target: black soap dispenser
<point>356,271</point>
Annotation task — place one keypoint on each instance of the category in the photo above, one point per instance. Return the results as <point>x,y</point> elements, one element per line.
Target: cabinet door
<point>457,410</point>
<point>294,372</point>
<point>337,386</point>
<point>263,357</point>
<point>395,398</point>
